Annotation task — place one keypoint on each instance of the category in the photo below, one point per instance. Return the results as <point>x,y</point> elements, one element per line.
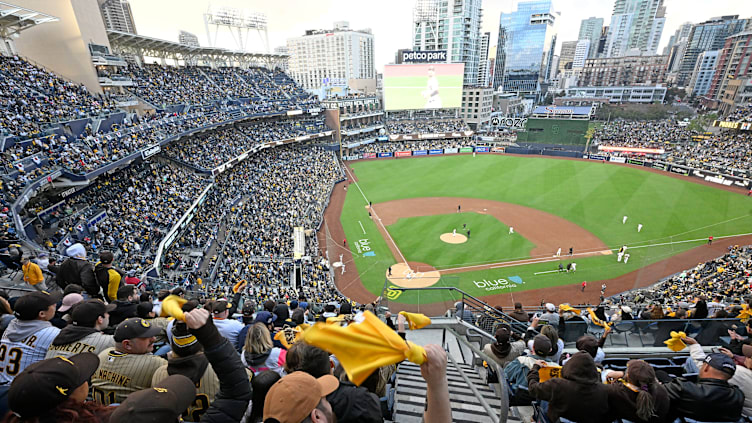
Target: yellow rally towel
<point>596,320</point>
<point>567,307</point>
<point>363,347</point>
<point>238,286</point>
<point>675,343</point>
<point>172,306</point>
<point>745,314</point>
<point>416,320</point>
<point>549,372</point>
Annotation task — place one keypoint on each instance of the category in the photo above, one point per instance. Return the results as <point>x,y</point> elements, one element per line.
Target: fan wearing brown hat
<point>28,337</point>
<point>55,390</point>
<point>129,366</point>
<point>89,318</point>
<point>503,351</point>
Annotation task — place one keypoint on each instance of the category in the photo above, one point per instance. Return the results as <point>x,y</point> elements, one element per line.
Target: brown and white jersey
<point>120,374</point>
<point>94,343</point>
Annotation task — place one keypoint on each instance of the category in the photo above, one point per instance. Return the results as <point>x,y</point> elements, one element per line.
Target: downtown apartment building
<point>624,71</point>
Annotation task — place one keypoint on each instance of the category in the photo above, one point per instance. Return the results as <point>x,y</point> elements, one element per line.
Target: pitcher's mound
<point>417,275</point>
<point>453,239</point>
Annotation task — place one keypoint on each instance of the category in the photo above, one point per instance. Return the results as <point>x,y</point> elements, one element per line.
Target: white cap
<point>550,307</point>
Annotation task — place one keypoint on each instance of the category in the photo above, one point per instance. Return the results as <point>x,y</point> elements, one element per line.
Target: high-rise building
<point>331,57</point>
<point>484,71</point>
<point>581,52</point>
<point>117,15</point>
<point>681,33</point>
<point>707,36</point>
<point>452,26</point>
<point>590,29</point>
<point>702,76</point>
<point>633,70</point>
<point>188,39</point>
<point>525,49</point>
<point>635,24</point>
<point>733,63</point>
<point>566,56</point>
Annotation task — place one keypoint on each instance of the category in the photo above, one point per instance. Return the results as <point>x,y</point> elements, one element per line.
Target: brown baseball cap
<point>293,397</point>
<point>747,351</point>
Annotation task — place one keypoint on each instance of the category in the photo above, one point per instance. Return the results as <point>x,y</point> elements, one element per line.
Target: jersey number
<point>103,397</point>
<point>198,408</point>
<point>14,359</point>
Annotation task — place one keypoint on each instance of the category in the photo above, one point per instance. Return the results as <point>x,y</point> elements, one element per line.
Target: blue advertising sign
<point>385,155</point>
<point>420,153</point>
<point>482,149</point>
<point>433,152</point>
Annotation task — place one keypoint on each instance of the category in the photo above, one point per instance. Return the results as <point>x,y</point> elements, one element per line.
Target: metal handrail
<point>502,388</point>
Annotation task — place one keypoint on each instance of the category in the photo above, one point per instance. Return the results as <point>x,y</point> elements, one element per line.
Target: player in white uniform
<point>431,93</point>
<point>626,258</point>
<point>639,227</point>
<point>511,230</point>
<point>28,337</point>
<point>624,220</point>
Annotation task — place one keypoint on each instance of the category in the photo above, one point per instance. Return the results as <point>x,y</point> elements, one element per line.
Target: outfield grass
<point>590,194</point>
<point>490,241</point>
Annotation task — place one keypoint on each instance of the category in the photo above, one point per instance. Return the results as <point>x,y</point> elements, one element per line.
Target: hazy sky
<point>390,20</point>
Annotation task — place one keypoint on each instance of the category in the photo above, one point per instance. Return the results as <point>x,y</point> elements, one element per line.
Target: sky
<point>389,20</point>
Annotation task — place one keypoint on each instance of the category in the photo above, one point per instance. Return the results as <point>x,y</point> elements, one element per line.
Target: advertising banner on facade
<point>403,154</point>
<point>420,153</point>
<point>434,152</point>
<point>482,149</point>
<point>385,155</point>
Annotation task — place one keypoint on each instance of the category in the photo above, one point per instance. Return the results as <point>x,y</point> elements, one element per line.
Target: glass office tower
<point>527,39</point>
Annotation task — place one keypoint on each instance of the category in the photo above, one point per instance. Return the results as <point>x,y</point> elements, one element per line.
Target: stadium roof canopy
<point>14,19</point>
<point>140,45</point>
<point>563,112</point>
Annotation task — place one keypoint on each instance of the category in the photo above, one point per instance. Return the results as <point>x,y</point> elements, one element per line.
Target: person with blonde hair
<point>259,352</point>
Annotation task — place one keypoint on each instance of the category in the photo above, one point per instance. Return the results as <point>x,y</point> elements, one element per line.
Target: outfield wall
<point>554,131</point>
<point>706,175</point>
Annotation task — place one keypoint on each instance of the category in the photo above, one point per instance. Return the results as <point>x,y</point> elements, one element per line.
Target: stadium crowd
<point>425,126</point>
<point>384,147</point>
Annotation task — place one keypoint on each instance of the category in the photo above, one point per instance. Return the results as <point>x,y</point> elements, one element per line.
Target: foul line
<point>376,216</point>
<point>361,227</point>
<point>526,261</point>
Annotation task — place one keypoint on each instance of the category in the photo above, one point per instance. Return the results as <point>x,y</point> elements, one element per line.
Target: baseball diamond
<point>552,204</point>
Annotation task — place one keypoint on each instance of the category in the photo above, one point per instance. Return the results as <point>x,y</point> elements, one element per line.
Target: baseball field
<point>422,208</point>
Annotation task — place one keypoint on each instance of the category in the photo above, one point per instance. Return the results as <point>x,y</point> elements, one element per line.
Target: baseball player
<point>571,250</point>
<point>511,230</point>
<point>459,207</point>
<point>626,258</point>
<point>639,227</point>
<point>454,233</point>
<point>28,337</point>
<point>558,252</point>
<point>603,289</point>
<point>468,234</point>
<point>574,267</point>
<point>85,333</point>
<point>128,367</point>
<point>390,271</point>
<point>569,267</point>
<point>624,220</point>
<point>584,285</point>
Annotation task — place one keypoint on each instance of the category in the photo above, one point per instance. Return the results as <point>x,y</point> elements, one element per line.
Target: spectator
<point>109,278</point>
<point>578,395</point>
<point>84,334</point>
<point>28,337</point>
<point>306,393</point>
<point>229,328</point>
<point>516,371</point>
<point>349,402</point>
<point>261,385</point>
<point>259,353</point>
<point>32,274</point>
<point>503,351</point>
<point>77,270</point>
<point>55,389</point>
<point>126,305</point>
<point>711,398</point>
<point>462,313</point>
<point>640,398</point>
<point>519,314</point>
<point>129,366</point>
<point>550,316</point>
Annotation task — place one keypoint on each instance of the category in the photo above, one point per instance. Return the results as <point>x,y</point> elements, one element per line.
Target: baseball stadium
<point>273,221</point>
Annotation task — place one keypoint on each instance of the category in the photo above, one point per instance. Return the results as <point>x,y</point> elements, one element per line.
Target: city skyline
<point>391,20</point>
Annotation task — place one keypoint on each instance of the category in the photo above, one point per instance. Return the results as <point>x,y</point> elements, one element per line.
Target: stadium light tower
<point>425,25</point>
<point>239,23</point>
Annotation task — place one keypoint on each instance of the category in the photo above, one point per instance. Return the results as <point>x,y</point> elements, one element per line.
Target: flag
<point>79,228</point>
<point>363,347</point>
